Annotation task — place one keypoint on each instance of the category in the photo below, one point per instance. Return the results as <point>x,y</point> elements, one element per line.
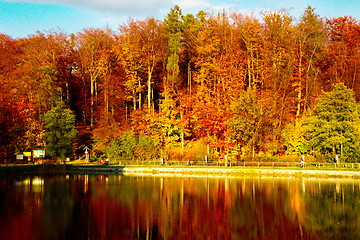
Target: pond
<point>129,207</point>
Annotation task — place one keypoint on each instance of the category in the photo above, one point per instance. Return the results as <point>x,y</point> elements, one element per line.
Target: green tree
<point>173,25</point>
<point>250,124</point>
<point>124,147</point>
<point>333,129</point>
<point>60,130</point>
<point>132,147</point>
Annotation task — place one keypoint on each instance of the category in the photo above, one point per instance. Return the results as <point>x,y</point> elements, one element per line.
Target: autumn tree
<point>310,48</point>
<point>38,67</point>
<point>249,30</point>
<point>181,33</point>
<point>166,125</point>
<point>278,81</point>
<point>94,50</point>
<point>310,36</point>
<point>12,100</point>
<point>343,53</point>
<point>127,40</point>
<point>218,79</point>
<point>250,125</point>
<point>42,73</point>
<point>141,48</point>
<point>219,59</point>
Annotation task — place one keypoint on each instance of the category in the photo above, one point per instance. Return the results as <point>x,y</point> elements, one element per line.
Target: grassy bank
<point>54,169</point>
<point>241,171</point>
<point>179,171</point>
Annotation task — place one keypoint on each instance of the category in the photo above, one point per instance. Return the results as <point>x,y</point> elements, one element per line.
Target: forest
<point>187,88</point>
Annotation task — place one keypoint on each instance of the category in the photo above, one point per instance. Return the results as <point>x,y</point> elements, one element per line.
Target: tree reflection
<point>121,207</point>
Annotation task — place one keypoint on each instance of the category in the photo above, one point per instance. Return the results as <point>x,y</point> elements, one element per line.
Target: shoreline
<point>233,172</point>
<point>180,171</point>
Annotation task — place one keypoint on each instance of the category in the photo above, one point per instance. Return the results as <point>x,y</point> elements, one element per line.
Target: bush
<point>297,158</point>
<point>132,147</point>
<point>195,151</point>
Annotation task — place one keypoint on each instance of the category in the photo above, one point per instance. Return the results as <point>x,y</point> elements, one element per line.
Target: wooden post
<point>337,160</point>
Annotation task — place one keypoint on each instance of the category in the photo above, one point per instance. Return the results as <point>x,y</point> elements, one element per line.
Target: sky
<point>21,18</point>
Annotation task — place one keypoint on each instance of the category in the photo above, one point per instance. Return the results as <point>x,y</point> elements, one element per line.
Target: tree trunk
<point>106,99</point>
<point>299,86</point>
<point>253,152</point>
<point>67,93</point>
<point>182,136</point>
<point>139,96</point>
<point>134,99</point>
<point>149,89</point>
<point>92,90</point>
<point>189,78</point>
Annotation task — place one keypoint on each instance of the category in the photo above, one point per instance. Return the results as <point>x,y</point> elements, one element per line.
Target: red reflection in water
<point>118,207</point>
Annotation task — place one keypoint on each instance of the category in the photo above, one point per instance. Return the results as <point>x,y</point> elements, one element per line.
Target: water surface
<point>124,207</point>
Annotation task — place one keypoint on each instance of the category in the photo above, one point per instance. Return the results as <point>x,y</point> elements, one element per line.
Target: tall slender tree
<point>94,47</point>
<point>173,24</point>
<point>279,57</point>
<point>310,41</point>
<point>250,31</point>
<point>144,47</point>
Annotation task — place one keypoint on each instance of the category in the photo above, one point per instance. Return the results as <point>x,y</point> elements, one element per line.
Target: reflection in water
<point>122,207</point>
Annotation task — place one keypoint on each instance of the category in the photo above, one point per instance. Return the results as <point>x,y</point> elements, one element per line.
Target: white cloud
<point>116,12</point>
<point>95,3</point>
<point>131,8</point>
<point>193,6</point>
<point>135,8</point>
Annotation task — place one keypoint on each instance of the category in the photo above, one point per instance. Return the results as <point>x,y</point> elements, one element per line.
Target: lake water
<point>126,207</point>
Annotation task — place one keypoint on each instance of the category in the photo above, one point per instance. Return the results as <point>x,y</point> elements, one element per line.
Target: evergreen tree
<point>60,126</point>
<point>333,129</point>
<point>173,24</point>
